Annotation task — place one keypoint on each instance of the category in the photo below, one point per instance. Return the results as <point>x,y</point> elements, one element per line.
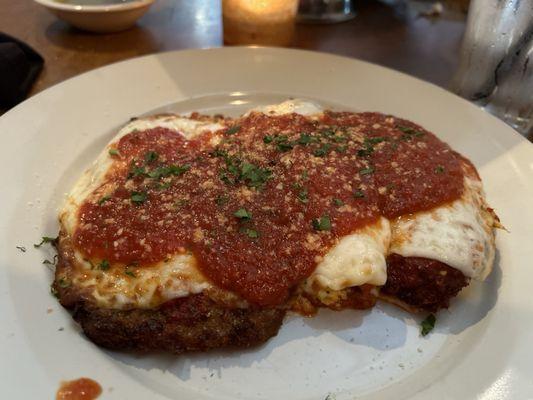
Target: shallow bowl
<point>99,18</point>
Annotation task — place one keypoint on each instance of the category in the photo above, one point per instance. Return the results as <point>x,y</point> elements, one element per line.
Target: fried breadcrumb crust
<point>192,323</point>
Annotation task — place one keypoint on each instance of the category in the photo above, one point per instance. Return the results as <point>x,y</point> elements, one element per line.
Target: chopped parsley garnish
<point>427,324</point>
<point>281,141</point>
<point>238,170</point>
<point>233,130</point>
<point>229,160</point>
<point>129,272</point>
<point>251,233</point>
<point>63,283</point>
<point>181,203</point>
<point>368,146</point>
<point>323,150</point>
<point>163,186</point>
<point>358,194</point>
<point>46,239</point>
<point>321,224</point>
<point>136,171</point>
<point>305,139</point>
<point>54,291</point>
<point>114,152</point>
<point>375,140</point>
<point>340,139</point>
<point>221,200</point>
<point>365,152</point>
<point>243,213</point>
<point>104,265</point>
<point>254,176</point>
<point>234,169</point>
<point>247,168</point>
<point>327,133</point>
<point>409,133</point>
<point>21,248</point>
<point>283,144</point>
<point>439,169</point>
<point>159,172</point>
<point>338,202</point>
<point>219,153</point>
<point>151,156</point>
<point>342,148</point>
<point>366,171</point>
<point>103,199</point>
<point>138,197</point>
<point>53,262</point>
<point>226,177</point>
<point>303,196</point>
<point>163,172</point>
<point>178,170</point>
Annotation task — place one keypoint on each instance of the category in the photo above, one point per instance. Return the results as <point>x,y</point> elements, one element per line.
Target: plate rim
<point>168,53</point>
<point>36,98</point>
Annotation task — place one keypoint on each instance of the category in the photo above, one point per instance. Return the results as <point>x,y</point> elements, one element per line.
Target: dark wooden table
<point>425,48</point>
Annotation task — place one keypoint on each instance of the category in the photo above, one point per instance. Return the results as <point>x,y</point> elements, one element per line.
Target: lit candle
<point>267,22</point>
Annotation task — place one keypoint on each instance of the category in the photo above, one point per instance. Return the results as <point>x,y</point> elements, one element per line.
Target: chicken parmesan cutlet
<point>193,233</point>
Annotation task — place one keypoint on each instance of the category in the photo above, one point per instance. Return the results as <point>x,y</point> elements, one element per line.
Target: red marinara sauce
<point>79,389</point>
<point>261,207</point>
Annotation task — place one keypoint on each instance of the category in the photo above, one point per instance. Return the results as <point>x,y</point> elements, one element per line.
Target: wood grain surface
<point>425,48</point>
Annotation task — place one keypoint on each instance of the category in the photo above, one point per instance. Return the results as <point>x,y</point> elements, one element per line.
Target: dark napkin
<point>19,67</point>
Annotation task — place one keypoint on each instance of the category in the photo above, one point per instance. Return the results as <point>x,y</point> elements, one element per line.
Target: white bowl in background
<point>99,18</point>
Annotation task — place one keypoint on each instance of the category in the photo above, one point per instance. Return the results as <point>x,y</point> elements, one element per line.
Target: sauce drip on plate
<point>259,208</point>
<point>79,389</point>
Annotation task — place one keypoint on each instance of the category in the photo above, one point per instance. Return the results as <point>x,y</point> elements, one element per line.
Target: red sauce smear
<point>79,389</point>
<point>259,209</point>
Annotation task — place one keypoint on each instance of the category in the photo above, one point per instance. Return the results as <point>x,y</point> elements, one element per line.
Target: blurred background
<point>385,32</point>
<point>423,38</point>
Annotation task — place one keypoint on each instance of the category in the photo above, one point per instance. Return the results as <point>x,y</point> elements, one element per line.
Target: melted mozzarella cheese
<point>143,287</point>
<point>355,260</point>
<point>297,106</point>
<point>459,234</point>
<point>186,126</point>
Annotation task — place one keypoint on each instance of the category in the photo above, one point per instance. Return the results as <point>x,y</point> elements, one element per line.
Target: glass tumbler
<point>264,22</point>
<point>496,64</point>
<point>325,11</point>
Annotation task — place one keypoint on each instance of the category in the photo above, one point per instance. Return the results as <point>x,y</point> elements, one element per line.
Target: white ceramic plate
<point>482,348</point>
